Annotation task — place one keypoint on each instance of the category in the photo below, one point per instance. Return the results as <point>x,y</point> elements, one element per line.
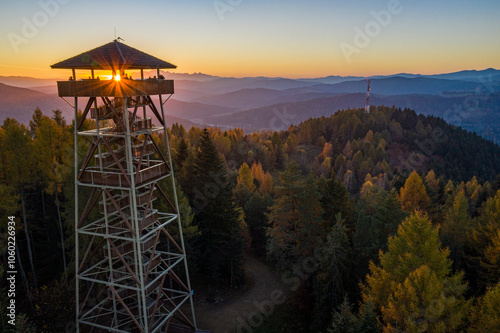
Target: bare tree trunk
<point>60,228</point>
<point>61,233</point>
<point>231,272</point>
<point>44,218</point>
<point>28,238</point>
<point>20,265</point>
<point>43,205</point>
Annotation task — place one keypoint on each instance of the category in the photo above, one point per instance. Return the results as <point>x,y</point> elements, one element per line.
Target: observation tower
<point>131,269</point>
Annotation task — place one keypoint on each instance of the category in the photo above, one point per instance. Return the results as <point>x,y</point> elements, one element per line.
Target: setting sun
<point>117,77</point>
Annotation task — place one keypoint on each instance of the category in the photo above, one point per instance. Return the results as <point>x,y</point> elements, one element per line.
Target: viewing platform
<point>118,179</point>
<point>112,88</point>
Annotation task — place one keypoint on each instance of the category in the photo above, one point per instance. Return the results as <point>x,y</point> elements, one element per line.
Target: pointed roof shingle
<point>114,55</point>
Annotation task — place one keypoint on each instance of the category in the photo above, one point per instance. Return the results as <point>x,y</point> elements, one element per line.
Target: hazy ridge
<point>467,98</point>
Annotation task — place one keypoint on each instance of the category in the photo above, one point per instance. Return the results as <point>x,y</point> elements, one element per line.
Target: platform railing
<point>116,178</point>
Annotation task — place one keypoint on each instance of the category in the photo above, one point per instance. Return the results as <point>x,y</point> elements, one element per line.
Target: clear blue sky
<point>288,38</point>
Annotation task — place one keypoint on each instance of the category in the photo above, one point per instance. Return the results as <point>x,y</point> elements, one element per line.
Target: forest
<point>379,221</point>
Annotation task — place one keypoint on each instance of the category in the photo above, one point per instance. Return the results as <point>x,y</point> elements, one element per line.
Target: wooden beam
<point>166,198</point>
<point>90,153</point>
<point>117,161</point>
<point>125,307</point>
<point>150,196</point>
<point>86,111</point>
<point>157,149</point>
<point>87,296</point>
<point>88,207</point>
<point>152,316</point>
<point>124,262</point>
<point>155,110</point>
<point>120,212</point>
<point>89,247</point>
<point>184,318</point>
<point>175,277</point>
<point>92,255</point>
<point>134,115</point>
<point>172,240</point>
<point>152,255</point>
<point>143,151</point>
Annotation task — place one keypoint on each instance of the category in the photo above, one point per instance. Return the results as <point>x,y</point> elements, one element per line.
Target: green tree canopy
<point>413,195</point>
<point>413,287</point>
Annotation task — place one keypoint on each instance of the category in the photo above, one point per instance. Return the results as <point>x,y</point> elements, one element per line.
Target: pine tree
<point>496,184</point>
<point>344,321</point>
<point>18,172</point>
<point>181,155</point>
<point>367,320</point>
<point>217,216</point>
<point>455,227</point>
<point>332,281</point>
<point>334,200</point>
<point>483,246</point>
<point>413,195</point>
<point>485,316</point>
<point>245,178</point>
<point>413,287</point>
<point>256,210</point>
<point>379,215</point>
<point>295,219</point>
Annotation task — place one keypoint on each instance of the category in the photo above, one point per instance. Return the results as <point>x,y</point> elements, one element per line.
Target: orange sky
<point>283,38</point>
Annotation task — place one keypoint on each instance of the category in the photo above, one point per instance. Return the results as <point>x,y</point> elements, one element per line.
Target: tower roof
<point>115,56</point>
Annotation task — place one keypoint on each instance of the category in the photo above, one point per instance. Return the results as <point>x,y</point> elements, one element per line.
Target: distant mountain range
<point>470,99</point>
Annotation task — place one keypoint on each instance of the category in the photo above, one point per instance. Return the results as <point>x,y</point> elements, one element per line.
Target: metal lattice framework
<point>131,273</point>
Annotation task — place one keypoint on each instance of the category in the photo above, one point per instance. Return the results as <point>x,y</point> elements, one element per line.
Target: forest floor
<point>243,311</point>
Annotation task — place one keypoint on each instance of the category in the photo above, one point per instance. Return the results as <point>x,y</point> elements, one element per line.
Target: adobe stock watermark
<point>212,186</point>
<point>470,104</point>
<point>31,26</point>
<point>293,279</point>
<point>373,28</point>
<point>223,6</point>
<point>281,120</point>
<point>456,116</point>
<point>11,270</point>
<point>427,147</point>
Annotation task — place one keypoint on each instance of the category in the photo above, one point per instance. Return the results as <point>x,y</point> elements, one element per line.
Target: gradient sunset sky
<point>287,38</point>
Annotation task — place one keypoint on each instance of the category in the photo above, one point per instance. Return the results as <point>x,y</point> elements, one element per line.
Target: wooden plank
<point>152,255</point>
<point>118,209</point>
<point>90,153</point>
<point>143,151</point>
<point>111,88</point>
<point>157,303</point>
<point>91,256</point>
<point>150,196</point>
<point>117,161</point>
<point>88,207</point>
<point>127,267</point>
<point>172,240</point>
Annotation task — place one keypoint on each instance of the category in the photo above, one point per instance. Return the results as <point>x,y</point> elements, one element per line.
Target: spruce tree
<point>217,216</point>
<point>181,154</point>
<point>296,223</point>
<point>485,316</point>
<point>455,227</point>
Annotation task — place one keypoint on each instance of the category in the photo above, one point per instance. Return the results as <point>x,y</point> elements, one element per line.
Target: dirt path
<point>241,313</point>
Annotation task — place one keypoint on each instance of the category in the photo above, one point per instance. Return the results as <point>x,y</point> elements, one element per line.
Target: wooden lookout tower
<point>131,267</point>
